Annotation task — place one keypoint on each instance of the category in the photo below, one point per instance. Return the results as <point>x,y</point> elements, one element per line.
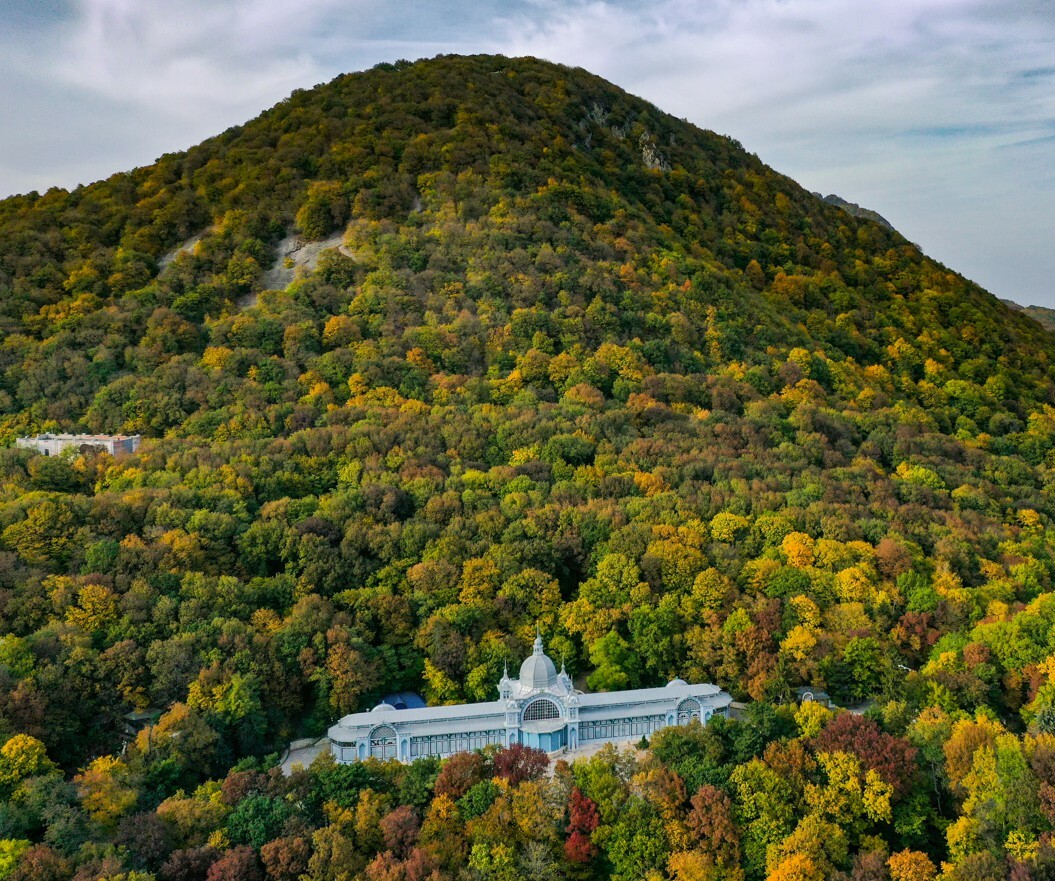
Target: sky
<point>938,114</point>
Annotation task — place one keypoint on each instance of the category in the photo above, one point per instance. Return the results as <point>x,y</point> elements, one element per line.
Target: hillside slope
<point>544,356</point>
<point>473,171</point>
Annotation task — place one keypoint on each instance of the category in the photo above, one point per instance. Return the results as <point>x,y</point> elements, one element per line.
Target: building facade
<point>541,709</point>
<point>54,444</point>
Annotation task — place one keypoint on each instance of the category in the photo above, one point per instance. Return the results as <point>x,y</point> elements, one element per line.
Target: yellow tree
<point>823,842</point>
<point>728,527</point>
<point>11,850</point>
<point>850,798</point>
<point>692,865</point>
<point>195,818</point>
<point>443,832</point>
<point>105,791</point>
<point>965,739</point>
<point>797,867</point>
<point>798,548</point>
<point>911,865</point>
<point>96,608</point>
<point>534,815</point>
<point>335,856</point>
<point>22,756</point>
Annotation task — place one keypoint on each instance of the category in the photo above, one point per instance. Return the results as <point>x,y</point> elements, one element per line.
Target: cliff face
<point>855,210</point>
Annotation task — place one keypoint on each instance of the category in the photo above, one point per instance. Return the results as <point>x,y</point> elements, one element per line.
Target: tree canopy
<point>543,355</point>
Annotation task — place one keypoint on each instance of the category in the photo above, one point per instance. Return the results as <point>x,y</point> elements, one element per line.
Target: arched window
<point>541,710</point>
<point>383,742</point>
<point>688,710</point>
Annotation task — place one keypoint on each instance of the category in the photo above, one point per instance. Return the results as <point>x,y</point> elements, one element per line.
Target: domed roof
<point>381,707</point>
<point>674,682</point>
<point>538,671</point>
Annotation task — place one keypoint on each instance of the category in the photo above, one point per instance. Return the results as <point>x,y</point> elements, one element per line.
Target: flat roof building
<point>54,444</point>
<point>541,709</point>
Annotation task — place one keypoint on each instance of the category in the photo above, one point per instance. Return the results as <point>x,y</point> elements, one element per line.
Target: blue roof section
<point>405,700</point>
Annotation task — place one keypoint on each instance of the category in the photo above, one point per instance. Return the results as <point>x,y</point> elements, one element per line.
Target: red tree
<point>401,828</point>
<point>237,864</point>
<point>711,821</point>
<point>418,866</point>
<point>148,836</point>
<point>286,859</point>
<point>238,784</point>
<point>518,763</point>
<point>893,758</point>
<point>189,865</point>
<point>915,634</point>
<point>41,863</point>
<point>460,773</point>
<point>583,819</point>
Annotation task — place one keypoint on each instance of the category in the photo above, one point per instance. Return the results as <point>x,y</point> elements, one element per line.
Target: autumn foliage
<point>551,358</point>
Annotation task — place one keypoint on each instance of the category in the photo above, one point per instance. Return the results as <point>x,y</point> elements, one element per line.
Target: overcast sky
<point>939,114</point>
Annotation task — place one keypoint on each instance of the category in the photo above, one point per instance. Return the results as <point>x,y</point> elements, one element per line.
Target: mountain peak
<point>855,210</point>
<point>526,187</point>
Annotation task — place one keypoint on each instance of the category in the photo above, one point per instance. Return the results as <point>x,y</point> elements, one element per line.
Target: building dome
<point>538,671</point>
<point>676,682</point>
<point>381,707</point>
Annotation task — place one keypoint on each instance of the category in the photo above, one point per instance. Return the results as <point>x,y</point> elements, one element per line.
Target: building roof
<point>86,438</point>
<point>467,715</point>
<point>711,693</point>
<point>404,700</point>
<point>817,694</point>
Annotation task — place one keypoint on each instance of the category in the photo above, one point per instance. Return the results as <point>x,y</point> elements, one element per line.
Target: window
<point>383,743</point>
<point>540,710</point>
<point>688,710</point>
<point>614,729</point>
<point>447,744</point>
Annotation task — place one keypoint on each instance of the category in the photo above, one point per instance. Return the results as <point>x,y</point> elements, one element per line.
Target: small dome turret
<point>564,680</point>
<point>505,684</point>
<point>538,671</point>
<point>382,707</point>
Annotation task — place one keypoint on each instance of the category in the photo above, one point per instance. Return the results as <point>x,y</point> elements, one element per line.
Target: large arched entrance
<point>383,743</point>
<point>688,710</point>
<point>542,725</point>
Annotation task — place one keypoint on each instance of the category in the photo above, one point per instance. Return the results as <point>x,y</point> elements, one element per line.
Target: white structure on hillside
<point>53,444</point>
<point>541,709</point>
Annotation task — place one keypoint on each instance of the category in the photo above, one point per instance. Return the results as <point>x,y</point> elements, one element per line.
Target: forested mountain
<point>560,359</point>
<point>1044,316</point>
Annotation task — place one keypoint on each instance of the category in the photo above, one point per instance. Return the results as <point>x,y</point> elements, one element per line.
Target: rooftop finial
<point>538,640</point>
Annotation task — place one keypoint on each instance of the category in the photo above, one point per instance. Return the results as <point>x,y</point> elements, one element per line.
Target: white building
<point>541,709</point>
<point>53,444</point>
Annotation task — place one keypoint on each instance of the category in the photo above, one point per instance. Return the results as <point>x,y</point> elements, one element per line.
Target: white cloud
<point>190,54</point>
